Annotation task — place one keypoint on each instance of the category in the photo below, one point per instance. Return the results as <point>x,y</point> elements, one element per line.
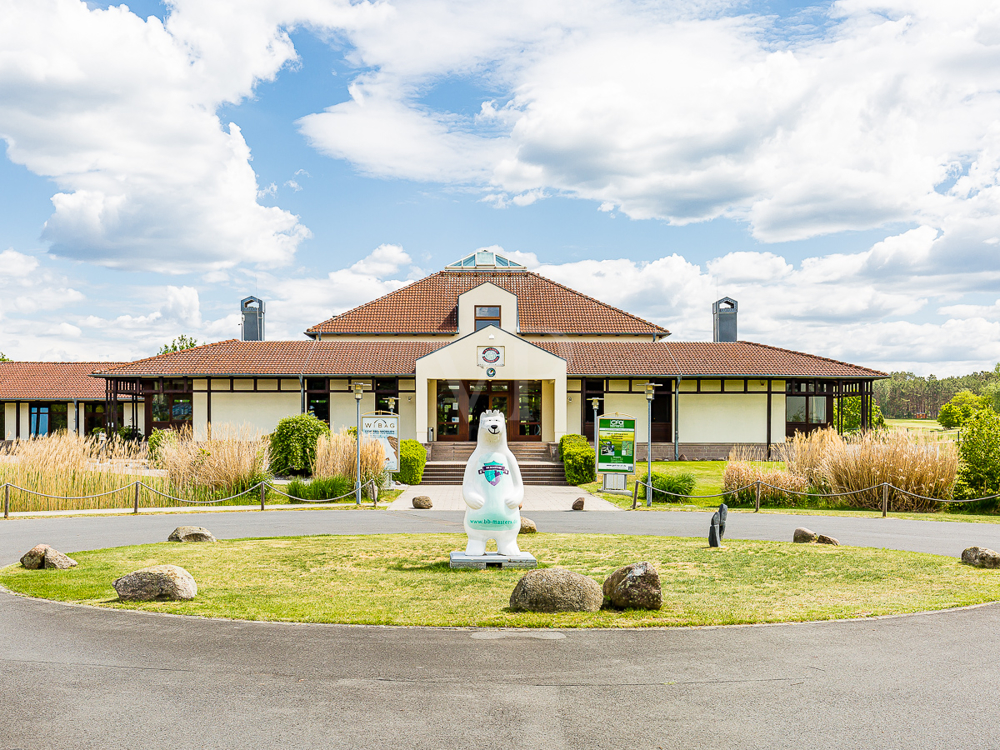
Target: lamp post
<point>650,388</point>
<point>596,403</point>
<point>359,389</point>
<point>392,404</point>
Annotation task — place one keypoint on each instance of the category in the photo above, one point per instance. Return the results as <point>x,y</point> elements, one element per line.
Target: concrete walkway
<point>536,498</point>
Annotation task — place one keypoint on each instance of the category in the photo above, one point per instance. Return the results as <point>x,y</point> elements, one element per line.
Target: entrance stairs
<point>446,463</point>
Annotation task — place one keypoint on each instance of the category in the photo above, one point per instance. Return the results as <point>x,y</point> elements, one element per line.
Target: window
<point>487,316</point>
<point>817,410</point>
<point>386,388</point>
<point>39,420</point>
<point>795,408</point>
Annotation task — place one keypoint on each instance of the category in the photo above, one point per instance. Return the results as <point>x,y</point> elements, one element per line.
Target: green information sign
<point>616,444</point>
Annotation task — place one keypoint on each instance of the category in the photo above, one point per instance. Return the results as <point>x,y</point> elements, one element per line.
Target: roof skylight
<point>482,259</point>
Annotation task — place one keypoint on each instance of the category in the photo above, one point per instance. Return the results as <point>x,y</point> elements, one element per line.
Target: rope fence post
<point>635,493</point>
<point>263,494</point>
<point>135,502</point>
<point>885,499</point>
<point>756,501</point>
<point>6,500</point>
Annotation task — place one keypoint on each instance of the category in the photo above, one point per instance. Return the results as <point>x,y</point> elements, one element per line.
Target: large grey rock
<point>636,586</point>
<point>578,504</point>
<point>556,590</point>
<point>158,583</point>
<point>803,535</point>
<point>528,526</point>
<point>422,502</point>
<point>191,534</point>
<point>714,537</point>
<point>43,556</point>
<point>824,539</point>
<point>981,557</point>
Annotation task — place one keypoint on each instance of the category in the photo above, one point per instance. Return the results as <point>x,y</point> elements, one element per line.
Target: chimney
<point>252,326</point>
<point>724,320</point>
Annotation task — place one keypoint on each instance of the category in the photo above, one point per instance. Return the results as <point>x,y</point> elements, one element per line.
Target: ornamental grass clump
<point>746,467</point>
<point>912,462</point>
<point>231,461</point>
<point>68,466</point>
<point>336,457</point>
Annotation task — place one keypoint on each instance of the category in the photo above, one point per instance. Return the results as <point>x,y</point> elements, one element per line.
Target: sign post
<point>615,447</point>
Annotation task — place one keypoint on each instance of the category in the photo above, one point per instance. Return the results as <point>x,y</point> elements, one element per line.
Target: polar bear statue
<point>492,490</point>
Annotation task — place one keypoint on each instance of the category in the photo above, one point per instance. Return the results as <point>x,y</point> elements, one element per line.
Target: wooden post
<point>635,493</point>
<point>756,504</point>
<point>6,500</point>
<point>135,505</point>
<point>885,499</point>
<point>263,494</point>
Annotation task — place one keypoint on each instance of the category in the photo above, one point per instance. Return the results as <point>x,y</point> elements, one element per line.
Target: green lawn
<point>924,425</point>
<point>405,580</point>
<point>708,481</point>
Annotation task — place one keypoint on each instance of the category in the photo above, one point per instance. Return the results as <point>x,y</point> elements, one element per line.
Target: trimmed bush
<point>571,439</point>
<point>293,444</point>
<point>578,462</point>
<point>979,474</point>
<point>323,488</point>
<point>412,458</point>
<point>677,484</point>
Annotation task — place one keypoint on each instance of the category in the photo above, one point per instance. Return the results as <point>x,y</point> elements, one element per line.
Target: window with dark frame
<point>318,398</point>
<point>487,316</point>
<point>386,388</point>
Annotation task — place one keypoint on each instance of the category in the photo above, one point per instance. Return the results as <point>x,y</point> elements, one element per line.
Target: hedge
<point>412,458</point>
<point>293,443</point>
<point>571,439</point>
<point>678,484</point>
<point>578,463</point>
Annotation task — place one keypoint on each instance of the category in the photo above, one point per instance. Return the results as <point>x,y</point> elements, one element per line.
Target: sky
<point>832,166</point>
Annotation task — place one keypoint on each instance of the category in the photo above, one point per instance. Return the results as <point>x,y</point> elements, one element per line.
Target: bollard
<point>756,501</point>
<point>885,498</point>
<point>263,494</point>
<point>6,501</point>
<point>135,505</point>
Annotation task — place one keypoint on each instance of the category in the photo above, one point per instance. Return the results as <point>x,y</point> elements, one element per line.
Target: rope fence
<point>260,487</point>
<point>760,484</point>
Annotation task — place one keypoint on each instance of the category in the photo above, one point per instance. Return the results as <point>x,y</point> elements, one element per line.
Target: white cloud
<point>120,114</point>
<point>18,264</point>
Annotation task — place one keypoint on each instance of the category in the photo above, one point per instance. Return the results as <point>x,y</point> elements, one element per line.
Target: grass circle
<point>404,579</point>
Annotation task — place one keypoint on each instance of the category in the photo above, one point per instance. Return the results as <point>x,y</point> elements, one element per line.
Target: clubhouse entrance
<point>461,402</point>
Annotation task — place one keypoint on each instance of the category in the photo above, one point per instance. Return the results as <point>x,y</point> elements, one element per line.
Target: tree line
<point>904,394</point>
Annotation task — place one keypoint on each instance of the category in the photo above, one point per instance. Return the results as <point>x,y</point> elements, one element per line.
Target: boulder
<point>34,558</point>
<point>803,535</point>
<point>578,504</point>
<point>528,526</point>
<point>981,557</point>
<point>824,539</point>
<point>714,538</point>
<point>422,502</point>
<point>556,590</point>
<point>159,583</point>
<point>636,586</point>
<point>43,556</point>
<point>57,560</point>
<point>191,534</point>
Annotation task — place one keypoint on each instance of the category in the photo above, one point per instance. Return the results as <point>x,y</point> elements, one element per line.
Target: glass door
<point>449,406</point>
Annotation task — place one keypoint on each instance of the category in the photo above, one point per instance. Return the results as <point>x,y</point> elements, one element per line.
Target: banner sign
<point>616,444</point>
<point>489,356</point>
<point>385,429</point>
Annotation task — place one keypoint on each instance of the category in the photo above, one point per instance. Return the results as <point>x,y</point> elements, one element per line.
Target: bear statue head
<point>493,428</point>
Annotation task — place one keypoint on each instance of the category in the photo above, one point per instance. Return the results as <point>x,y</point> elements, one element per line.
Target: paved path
<point>536,498</point>
<point>76,677</point>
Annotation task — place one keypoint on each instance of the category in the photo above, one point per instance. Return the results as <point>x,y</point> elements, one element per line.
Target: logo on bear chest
<point>493,471</point>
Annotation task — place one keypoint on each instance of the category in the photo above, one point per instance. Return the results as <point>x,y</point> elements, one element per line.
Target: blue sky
<point>833,166</point>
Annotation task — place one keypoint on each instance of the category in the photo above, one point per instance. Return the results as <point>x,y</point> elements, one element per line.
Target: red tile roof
<point>623,358</point>
<point>51,381</point>
<point>431,306</point>
<point>235,357</point>
<point>692,358</point>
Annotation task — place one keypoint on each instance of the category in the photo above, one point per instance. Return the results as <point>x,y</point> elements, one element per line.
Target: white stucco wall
<point>458,361</point>
<point>407,409</point>
<point>260,410</point>
<point>486,294</point>
<point>573,424</point>
<point>726,418</point>
<point>9,421</point>
<point>344,409</point>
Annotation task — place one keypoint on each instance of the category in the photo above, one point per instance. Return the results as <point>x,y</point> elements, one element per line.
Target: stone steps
<point>532,472</point>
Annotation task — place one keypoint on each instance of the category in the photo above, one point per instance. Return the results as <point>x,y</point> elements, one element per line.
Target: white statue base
<point>493,560</point>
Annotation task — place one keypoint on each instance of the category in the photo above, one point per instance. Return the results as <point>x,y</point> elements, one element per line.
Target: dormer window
<point>487,316</point>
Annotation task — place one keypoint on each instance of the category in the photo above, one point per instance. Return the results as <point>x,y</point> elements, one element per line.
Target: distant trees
<point>179,344</point>
<point>904,394</point>
<point>4,357</point>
